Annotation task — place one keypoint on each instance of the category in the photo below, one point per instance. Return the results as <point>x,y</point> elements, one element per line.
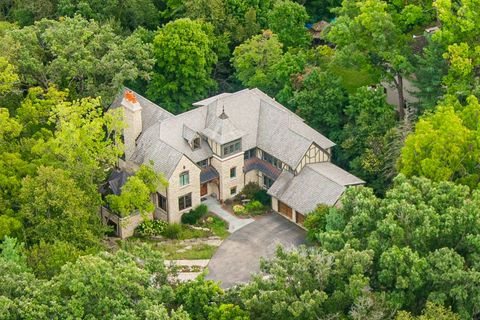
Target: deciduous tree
<point>255,59</point>
<point>288,19</point>
<point>86,57</point>
<point>184,60</point>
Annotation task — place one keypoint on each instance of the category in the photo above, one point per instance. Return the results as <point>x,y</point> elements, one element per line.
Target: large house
<point>225,142</point>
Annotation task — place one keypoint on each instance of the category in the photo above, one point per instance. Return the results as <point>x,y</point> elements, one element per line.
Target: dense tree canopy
<point>423,236</point>
<point>287,19</point>
<point>404,251</point>
<point>254,61</point>
<point>366,34</point>
<point>184,60</point>
<point>86,57</point>
<point>445,144</point>
<point>135,193</point>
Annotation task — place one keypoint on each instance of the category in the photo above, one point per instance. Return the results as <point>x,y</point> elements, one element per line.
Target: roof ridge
<point>328,178</point>
<point>310,165</point>
<point>138,94</point>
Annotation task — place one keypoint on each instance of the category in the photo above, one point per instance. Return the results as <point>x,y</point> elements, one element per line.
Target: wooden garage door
<point>284,209</point>
<point>300,218</point>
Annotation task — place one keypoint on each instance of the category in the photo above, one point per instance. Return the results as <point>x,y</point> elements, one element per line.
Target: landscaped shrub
<point>194,215</point>
<point>172,231</point>
<point>239,209</point>
<point>150,228</point>
<point>253,191</point>
<point>255,207</point>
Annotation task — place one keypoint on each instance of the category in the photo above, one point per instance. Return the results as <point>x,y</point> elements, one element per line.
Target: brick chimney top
<point>130,96</point>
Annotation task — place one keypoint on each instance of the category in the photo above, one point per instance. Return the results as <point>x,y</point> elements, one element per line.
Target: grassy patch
<point>218,227</point>
<point>353,79</point>
<point>176,251</point>
<point>190,233</point>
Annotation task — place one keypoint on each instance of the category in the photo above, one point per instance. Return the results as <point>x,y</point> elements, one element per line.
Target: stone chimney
<point>133,121</point>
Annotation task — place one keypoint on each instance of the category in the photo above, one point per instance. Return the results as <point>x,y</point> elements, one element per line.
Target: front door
<point>284,209</point>
<point>203,189</point>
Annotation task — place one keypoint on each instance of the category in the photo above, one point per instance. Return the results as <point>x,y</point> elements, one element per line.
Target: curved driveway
<point>239,255</point>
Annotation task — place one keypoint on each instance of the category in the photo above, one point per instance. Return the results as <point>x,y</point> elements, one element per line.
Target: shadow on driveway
<point>239,255</point>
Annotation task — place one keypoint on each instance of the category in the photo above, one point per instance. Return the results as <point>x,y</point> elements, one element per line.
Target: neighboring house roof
<point>250,114</point>
<point>318,183</point>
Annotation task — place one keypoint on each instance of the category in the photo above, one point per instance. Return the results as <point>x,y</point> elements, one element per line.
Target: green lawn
<point>200,251</point>
<point>354,78</point>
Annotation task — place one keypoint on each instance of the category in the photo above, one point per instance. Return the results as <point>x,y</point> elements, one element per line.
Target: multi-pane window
<point>203,163</point>
<point>196,143</point>
<point>231,148</point>
<point>184,178</point>
<point>267,182</point>
<point>271,159</point>
<point>233,172</point>
<point>185,202</point>
<point>250,154</point>
<point>161,202</point>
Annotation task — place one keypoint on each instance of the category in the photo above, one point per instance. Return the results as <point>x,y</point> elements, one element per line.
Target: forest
<point>406,246</point>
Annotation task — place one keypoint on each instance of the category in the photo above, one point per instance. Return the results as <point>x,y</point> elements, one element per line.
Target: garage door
<point>284,209</point>
<point>300,218</point>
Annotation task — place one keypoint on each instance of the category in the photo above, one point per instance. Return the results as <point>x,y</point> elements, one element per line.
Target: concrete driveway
<point>239,255</point>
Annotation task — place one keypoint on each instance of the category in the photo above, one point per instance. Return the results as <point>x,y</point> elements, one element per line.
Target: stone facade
<point>175,190</point>
<point>229,184</point>
<point>124,226</point>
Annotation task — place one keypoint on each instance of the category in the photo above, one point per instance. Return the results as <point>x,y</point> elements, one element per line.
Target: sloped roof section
<point>262,166</point>
<point>189,134</point>
<point>208,174</point>
<point>336,174</point>
<point>248,114</point>
<point>221,129</point>
<point>151,113</point>
<point>149,148</point>
<point>311,187</point>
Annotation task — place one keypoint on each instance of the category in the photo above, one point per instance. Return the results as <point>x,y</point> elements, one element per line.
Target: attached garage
<point>299,218</point>
<point>294,196</point>
<point>285,210</point>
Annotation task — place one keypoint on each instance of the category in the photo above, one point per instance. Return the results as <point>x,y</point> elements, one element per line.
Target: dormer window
<point>196,143</point>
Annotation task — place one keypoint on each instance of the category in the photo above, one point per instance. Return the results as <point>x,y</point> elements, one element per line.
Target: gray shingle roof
<point>258,119</point>
<point>311,187</point>
<point>208,174</point>
<point>149,148</point>
<point>189,134</point>
<point>221,129</point>
<point>151,113</point>
<point>336,174</point>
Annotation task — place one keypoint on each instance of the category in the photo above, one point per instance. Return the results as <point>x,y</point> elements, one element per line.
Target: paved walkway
<point>234,223</point>
<point>239,255</point>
